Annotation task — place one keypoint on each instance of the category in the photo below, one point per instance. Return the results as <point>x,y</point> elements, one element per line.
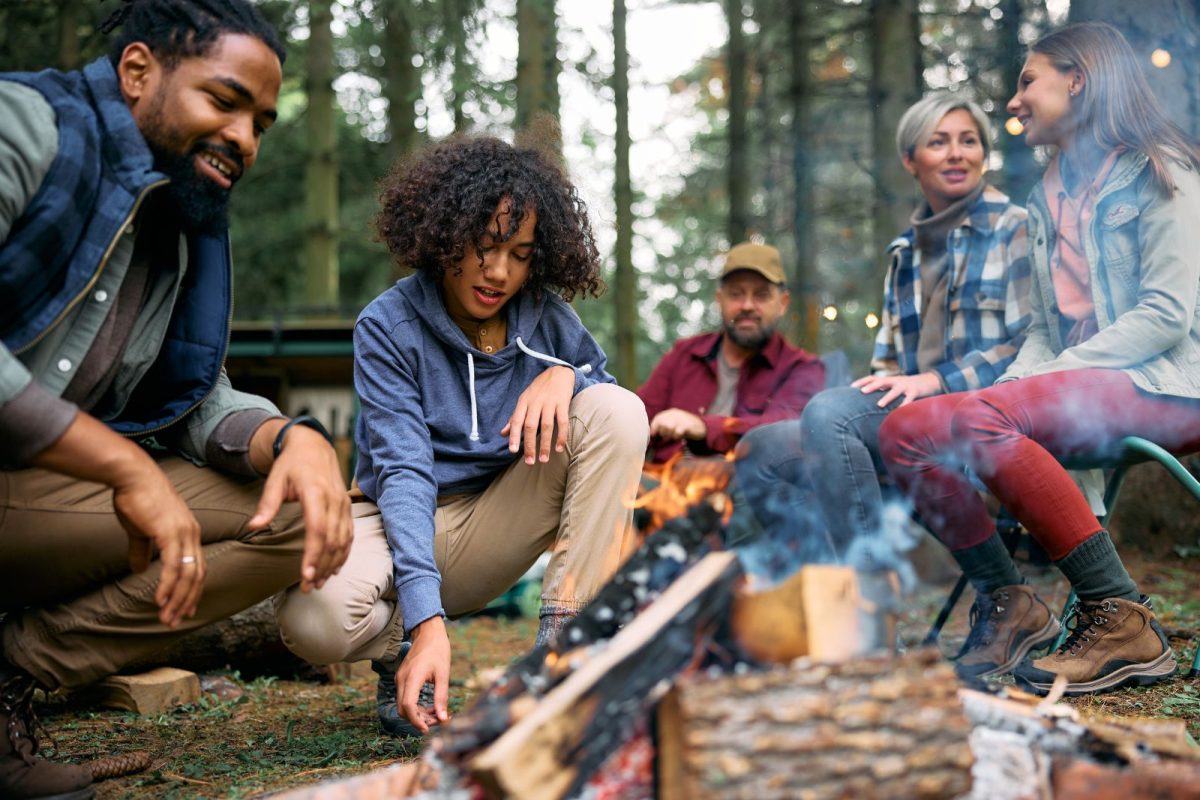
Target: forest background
<point>687,125</point>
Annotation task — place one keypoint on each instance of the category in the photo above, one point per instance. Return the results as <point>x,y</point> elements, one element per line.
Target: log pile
<point>877,727</point>
<point>1026,747</point>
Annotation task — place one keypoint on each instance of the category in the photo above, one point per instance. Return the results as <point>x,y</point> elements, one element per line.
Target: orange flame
<point>682,483</point>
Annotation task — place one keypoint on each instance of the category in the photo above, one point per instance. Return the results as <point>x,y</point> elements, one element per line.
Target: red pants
<point>1011,436</point>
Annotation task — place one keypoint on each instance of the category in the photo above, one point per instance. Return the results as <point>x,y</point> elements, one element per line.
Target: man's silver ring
<point>188,560</point>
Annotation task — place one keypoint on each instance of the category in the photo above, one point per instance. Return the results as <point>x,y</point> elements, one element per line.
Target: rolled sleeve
<point>202,425</point>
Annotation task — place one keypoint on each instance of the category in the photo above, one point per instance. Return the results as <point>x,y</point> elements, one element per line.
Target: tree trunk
<point>321,181</point>
<point>624,277</point>
<point>739,177</point>
<point>895,85</point>
<point>537,71</point>
<point>68,35</point>
<point>1169,25</point>
<point>401,79</point>
<point>1021,171</point>
<point>804,282</point>
<point>460,80</point>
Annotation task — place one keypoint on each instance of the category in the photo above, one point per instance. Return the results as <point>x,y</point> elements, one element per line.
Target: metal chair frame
<point>1130,451</point>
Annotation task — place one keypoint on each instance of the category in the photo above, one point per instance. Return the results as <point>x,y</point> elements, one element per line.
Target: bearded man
<point>141,496</point>
<point>709,390</point>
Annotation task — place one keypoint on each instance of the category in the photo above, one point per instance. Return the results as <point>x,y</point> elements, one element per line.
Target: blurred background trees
<point>790,118</point>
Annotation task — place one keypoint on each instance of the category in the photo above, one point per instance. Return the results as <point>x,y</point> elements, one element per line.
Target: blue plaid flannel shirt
<point>987,305</point>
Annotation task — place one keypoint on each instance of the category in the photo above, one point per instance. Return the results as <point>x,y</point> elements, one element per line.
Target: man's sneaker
<point>1113,643</point>
<point>1005,626</point>
<point>23,776</point>
<point>391,721</point>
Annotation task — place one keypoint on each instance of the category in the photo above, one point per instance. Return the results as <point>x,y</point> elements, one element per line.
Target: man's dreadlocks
<point>178,29</point>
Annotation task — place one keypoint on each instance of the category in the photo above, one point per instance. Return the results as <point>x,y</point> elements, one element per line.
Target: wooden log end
<point>147,693</point>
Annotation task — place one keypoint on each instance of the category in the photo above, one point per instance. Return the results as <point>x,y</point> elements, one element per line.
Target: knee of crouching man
<point>310,626</point>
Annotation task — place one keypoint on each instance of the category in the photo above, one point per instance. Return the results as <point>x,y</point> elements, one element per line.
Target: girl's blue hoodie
<point>433,407</point>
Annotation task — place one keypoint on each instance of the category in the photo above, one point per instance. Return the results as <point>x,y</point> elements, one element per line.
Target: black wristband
<point>306,421</point>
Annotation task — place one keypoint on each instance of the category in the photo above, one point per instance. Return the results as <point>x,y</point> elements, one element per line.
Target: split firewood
<point>824,611</point>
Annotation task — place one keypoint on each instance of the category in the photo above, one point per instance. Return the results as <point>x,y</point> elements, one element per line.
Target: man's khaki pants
<point>578,504</point>
<point>75,612</point>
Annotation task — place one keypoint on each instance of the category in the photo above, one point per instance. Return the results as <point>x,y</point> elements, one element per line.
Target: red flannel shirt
<point>773,385</point>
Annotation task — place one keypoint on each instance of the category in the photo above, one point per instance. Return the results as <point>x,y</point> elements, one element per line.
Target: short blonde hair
<point>923,116</point>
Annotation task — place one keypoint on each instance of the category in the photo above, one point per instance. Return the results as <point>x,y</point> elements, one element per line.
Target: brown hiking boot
<point>1114,643</point>
<point>1005,626</point>
<point>22,776</point>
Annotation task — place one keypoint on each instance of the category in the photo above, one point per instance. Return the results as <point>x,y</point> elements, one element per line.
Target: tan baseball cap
<point>760,258</point>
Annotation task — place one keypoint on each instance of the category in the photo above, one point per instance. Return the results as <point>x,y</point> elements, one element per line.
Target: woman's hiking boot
<point>24,776</point>
<point>1006,625</point>
<point>391,721</point>
<point>1113,643</point>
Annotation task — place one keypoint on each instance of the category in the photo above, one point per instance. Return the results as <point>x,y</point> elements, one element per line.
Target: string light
<point>872,319</point>
<point>1014,126</point>
<point>1160,58</point>
<point>830,313</point>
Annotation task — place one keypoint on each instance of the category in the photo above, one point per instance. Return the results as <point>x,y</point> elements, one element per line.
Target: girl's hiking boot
<point>24,776</point>
<point>1006,625</point>
<point>1113,643</point>
<point>391,721</point>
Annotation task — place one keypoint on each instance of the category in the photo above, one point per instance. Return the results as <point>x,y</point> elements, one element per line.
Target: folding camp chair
<point>1130,451</point>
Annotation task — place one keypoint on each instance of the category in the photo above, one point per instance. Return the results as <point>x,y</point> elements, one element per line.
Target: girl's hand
<point>541,407</point>
<point>910,387</point>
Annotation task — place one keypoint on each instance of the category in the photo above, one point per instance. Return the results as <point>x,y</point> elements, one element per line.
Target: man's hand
<point>910,387</point>
<point>675,423</point>
<point>542,406</point>
<point>306,471</point>
<point>427,662</point>
<point>147,505</point>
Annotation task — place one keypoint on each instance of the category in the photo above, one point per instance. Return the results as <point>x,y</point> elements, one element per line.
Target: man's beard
<point>203,206</point>
<point>749,340</point>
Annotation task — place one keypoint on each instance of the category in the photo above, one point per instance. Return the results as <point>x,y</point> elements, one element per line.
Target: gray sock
<point>551,620</point>
<point>1096,572</point>
<point>988,565</point>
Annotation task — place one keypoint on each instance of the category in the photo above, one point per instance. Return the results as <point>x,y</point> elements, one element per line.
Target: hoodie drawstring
<point>474,406</point>
<point>585,369</point>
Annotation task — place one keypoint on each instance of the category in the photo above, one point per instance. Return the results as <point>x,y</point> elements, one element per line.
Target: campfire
<point>681,681</point>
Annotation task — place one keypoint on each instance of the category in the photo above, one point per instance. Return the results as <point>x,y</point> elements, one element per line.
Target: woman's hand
<point>542,406</point>
<point>910,387</point>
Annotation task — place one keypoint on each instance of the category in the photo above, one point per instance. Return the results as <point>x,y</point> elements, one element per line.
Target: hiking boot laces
<point>16,700</point>
<point>984,619</point>
<point>1086,624</point>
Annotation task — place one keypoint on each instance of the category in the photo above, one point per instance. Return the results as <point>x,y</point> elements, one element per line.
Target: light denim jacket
<point>1143,253</point>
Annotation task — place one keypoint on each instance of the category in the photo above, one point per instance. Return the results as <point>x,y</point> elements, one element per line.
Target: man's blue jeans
<point>818,478</point>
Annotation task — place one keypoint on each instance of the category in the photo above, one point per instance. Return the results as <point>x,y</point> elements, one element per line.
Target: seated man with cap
<point>709,390</point>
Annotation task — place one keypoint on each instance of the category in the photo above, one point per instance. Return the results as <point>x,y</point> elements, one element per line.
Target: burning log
<point>662,558</point>
<point>877,727</point>
<point>553,749</point>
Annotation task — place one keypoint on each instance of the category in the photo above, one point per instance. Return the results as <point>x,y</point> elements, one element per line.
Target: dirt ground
<point>267,735</point>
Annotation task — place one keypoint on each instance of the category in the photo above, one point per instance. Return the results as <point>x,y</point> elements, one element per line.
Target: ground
<point>278,734</point>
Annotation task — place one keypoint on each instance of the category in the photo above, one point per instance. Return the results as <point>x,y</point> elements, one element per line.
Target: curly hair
<point>437,203</point>
<point>178,29</point>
